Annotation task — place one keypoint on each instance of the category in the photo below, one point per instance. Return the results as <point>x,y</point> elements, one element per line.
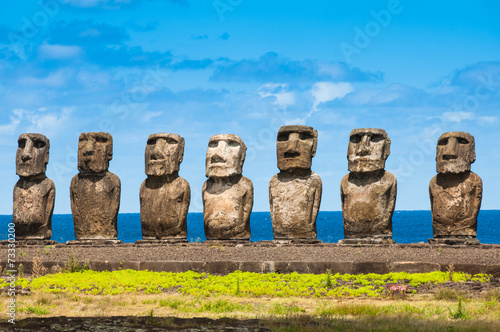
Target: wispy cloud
<point>327,91</point>
<point>148,116</point>
<point>272,67</point>
<point>47,51</point>
<point>55,79</point>
<point>115,4</point>
<point>282,97</point>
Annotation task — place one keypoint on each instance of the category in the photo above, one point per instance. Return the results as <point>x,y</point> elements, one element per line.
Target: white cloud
<point>283,97</point>
<point>57,79</point>
<point>86,3</point>
<point>50,122</point>
<point>296,121</point>
<point>15,120</point>
<point>488,119</point>
<point>41,121</point>
<point>150,115</point>
<point>47,51</point>
<point>457,116</point>
<point>93,79</point>
<point>327,91</point>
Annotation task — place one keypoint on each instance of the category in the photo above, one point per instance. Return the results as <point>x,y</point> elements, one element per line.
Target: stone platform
<point>265,256</point>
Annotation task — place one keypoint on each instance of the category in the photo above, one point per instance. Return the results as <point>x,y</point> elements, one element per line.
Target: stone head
<point>164,153</point>
<point>32,155</point>
<point>225,156</point>
<point>455,152</point>
<point>295,147</point>
<point>368,150</point>
<point>95,150</point>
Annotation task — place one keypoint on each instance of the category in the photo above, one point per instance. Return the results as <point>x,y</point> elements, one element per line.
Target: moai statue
<point>227,195</point>
<point>368,192</point>
<point>34,193</point>
<point>455,191</point>
<point>164,195</point>
<point>295,192</point>
<point>95,192</point>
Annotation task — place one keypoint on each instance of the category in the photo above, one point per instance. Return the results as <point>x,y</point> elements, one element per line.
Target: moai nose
<point>364,146</point>
<point>159,148</point>
<point>450,151</point>
<point>293,141</point>
<point>27,151</point>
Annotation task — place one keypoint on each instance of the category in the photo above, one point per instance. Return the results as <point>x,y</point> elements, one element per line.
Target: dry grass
<point>424,309</point>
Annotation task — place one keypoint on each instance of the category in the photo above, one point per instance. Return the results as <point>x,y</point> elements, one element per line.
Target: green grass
<point>242,284</point>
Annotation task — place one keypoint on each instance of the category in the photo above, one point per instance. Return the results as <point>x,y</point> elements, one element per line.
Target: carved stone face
<point>225,156</point>
<point>295,147</point>
<point>368,150</point>
<point>32,155</point>
<point>164,153</point>
<point>455,152</point>
<point>95,150</point>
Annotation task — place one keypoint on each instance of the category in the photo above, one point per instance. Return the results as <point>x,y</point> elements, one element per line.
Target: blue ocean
<point>408,227</point>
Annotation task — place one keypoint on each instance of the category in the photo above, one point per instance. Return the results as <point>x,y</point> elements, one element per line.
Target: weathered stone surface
<point>454,241</point>
<point>368,192</point>
<point>415,267</point>
<point>367,241</point>
<point>34,193</point>
<point>95,192</point>
<point>164,195</point>
<point>227,195</point>
<point>295,192</point>
<point>370,267</point>
<point>455,192</point>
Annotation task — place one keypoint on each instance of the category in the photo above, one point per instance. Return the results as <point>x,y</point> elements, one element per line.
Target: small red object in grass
<point>398,288</point>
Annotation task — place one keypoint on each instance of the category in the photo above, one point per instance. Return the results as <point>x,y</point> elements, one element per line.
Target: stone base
<point>94,242</point>
<point>368,240</point>
<point>225,242</point>
<point>453,241</point>
<point>162,241</point>
<point>30,242</point>
<point>297,241</point>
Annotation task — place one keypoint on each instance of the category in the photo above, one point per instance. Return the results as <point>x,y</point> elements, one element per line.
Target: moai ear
<point>387,147</point>
<point>472,153</point>
<point>110,147</point>
<point>315,142</point>
<point>181,149</point>
<point>243,153</point>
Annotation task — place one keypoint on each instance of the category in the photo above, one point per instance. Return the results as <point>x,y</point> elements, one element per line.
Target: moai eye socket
<point>355,138</point>
<point>170,140</point>
<point>213,144</point>
<point>100,139</point>
<point>39,144</point>
<point>461,140</point>
<point>376,138</point>
<point>443,141</point>
<point>152,141</point>
<point>22,143</point>
<point>304,136</point>
<point>283,137</point>
<point>233,143</point>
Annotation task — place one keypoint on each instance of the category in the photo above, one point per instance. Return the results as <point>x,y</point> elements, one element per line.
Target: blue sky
<point>199,68</point>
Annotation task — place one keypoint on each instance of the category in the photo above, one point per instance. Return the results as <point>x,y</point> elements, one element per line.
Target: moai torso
<point>368,192</point>
<point>295,192</point>
<point>295,205</point>
<point>34,193</point>
<point>227,208</point>
<point>95,192</point>
<point>368,206</point>
<point>95,201</point>
<point>455,192</point>
<point>164,196</point>
<point>227,195</point>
